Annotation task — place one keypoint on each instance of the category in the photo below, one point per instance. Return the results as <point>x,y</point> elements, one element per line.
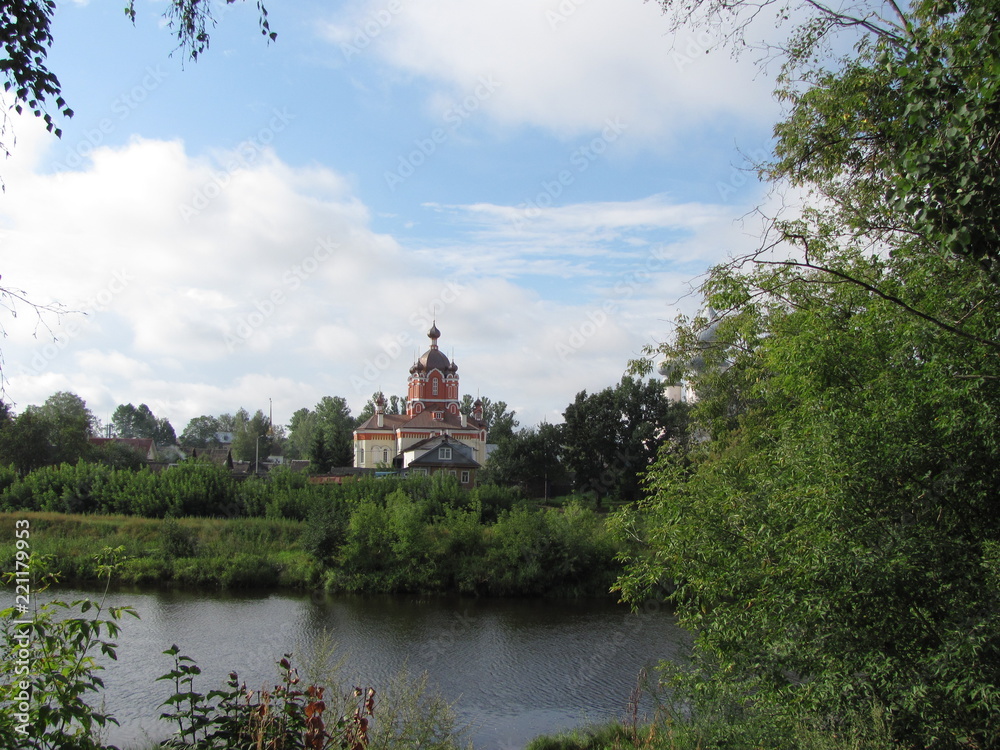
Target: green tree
<point>609,438</point>
<point>129,421</point>
<point>253,438</point>
<point>24,442</point>
<point>201,433</point>
<point>830,538</point>
<point>393,405</point>
<point>26,35</point>
<point>500,420</point>
<point>320,456</point>
<point>529,459</point>
<point>828,542</point>
<point>301,432</point>
<point>334,418</point>
<point>70,426</point>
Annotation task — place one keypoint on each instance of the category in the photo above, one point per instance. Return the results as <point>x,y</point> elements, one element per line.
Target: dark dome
<point>434,359</point>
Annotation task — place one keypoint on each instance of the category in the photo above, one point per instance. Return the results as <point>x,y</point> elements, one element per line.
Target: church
<point>433,435</point>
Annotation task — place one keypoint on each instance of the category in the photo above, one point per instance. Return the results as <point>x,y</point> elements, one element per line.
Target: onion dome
<point>434,358</point>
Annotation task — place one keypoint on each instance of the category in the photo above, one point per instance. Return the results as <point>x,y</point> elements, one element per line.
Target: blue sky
<point>546,179</point>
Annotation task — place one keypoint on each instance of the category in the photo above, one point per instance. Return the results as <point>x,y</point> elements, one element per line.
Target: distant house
<point>219,456</point>
<point>442,454</point>
<point>145,447</point>
<point>339,474</point>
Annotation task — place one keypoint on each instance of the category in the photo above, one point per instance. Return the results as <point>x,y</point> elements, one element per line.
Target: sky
<point>277,222</point>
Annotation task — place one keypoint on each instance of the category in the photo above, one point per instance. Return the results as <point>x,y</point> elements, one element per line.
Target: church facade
<point>432,411</point>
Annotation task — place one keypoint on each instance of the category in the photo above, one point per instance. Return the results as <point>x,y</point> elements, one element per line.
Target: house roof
<point>461,454</point>
<point>423,420</point>
<point>146,446</point>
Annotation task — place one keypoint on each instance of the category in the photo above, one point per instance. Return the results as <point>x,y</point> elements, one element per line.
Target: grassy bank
<point>397,545</point>
<point>204,552</point>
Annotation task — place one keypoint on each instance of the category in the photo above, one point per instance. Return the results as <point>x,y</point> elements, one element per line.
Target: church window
<point>434,387</point>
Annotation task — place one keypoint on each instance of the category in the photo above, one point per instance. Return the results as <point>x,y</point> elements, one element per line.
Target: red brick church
<point>433,435</point>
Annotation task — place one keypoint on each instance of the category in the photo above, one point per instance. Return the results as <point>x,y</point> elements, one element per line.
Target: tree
<point>301,431</point>
<point>831,539</point>
<point>129,421</point>
<point>828,541</point>
<point>321,458</point>
<point>253,439</point>
<point>529,459</point>
<point>393,405</point>
<point>201,432</point>
<point>609,438</point>
<point>24,442</point>
<point>500,422</point>
<point>70,424</point>
<point>334,419</point>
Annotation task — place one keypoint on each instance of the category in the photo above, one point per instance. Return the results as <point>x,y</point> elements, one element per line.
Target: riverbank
<point>363,548</point>
<point>191,552</point>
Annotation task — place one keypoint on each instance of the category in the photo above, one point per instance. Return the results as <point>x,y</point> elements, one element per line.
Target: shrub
<point>176,541</point>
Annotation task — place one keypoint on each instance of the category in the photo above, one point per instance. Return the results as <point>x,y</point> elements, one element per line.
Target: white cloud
<point>277,288</point>
<point>564,65</point>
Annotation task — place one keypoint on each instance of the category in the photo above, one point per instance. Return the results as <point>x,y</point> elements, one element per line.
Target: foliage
<point>129,421</point>
<point>117,456</point>
<point>528,459</point>
<point>499,419</point>
<point>26,35</point>
<point>826,543</point>
<point>253,437</point>
<point>201,433</point>
<point>176,540</point>
<point>57,431</point>
<point>610,437</point>
<point>60,674</point>
<point>24,442</point>
<point>827,537</point>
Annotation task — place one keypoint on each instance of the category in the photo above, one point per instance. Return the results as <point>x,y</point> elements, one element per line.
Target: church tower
<point>433,381</point>
<point>433,415</point>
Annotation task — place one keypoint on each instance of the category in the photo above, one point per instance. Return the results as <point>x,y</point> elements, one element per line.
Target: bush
<point>176,541</point>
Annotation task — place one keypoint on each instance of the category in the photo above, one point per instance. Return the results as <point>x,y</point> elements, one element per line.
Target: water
<point>513,668</point>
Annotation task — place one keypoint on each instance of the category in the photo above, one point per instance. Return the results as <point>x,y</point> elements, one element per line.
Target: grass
<point>201,552</point>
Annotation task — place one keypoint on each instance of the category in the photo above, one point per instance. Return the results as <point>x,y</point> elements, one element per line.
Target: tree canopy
<point>832,536</point>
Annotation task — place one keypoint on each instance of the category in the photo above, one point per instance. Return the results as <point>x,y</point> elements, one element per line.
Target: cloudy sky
<point>545,178</point>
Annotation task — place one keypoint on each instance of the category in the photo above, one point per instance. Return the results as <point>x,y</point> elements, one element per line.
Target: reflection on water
<point>515,668</point>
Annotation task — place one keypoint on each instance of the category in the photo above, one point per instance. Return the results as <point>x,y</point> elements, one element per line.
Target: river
<point>514,669</point>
